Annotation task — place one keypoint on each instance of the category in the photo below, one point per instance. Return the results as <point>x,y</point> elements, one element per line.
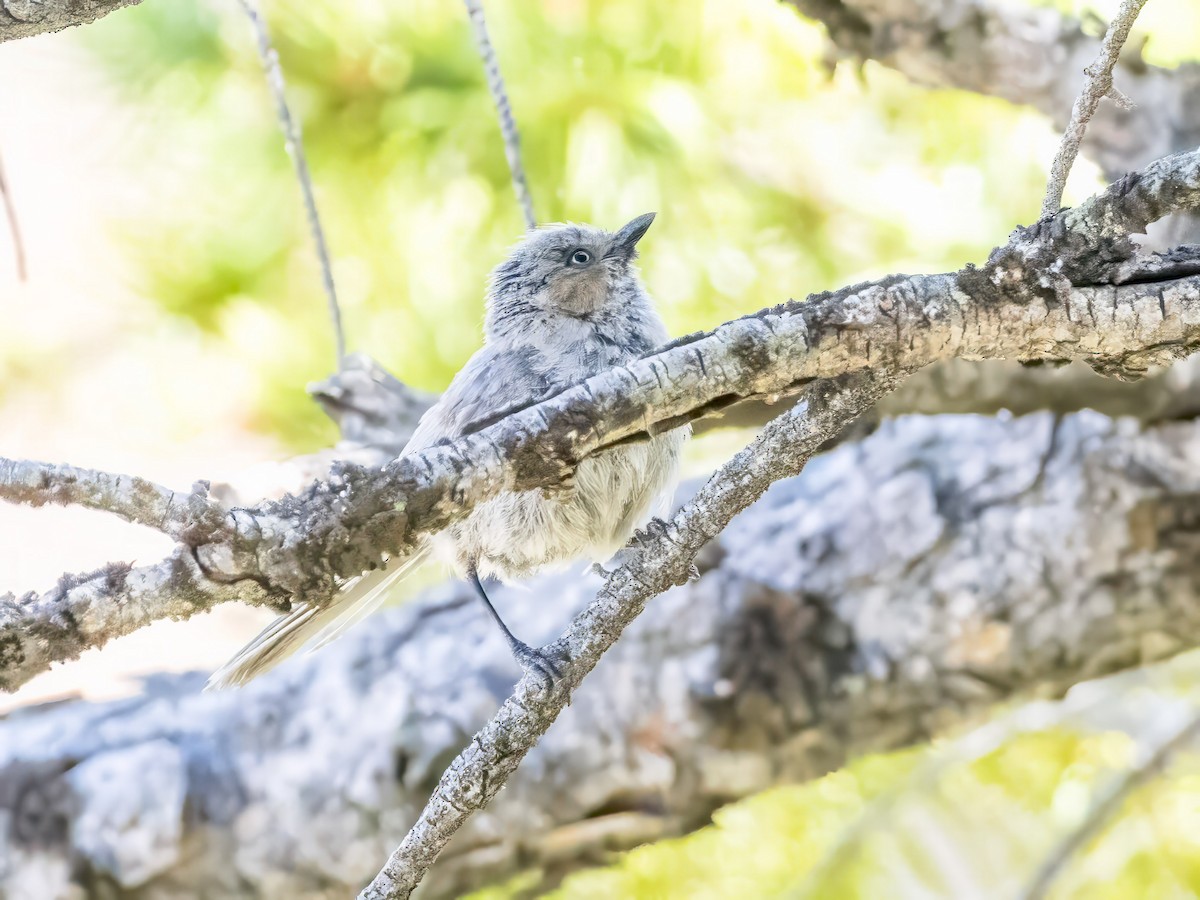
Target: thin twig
<point>303,545</point>
<point>1098,85</point>
<point>295,147</point>
<point>138,500</point>
<point>342,525</point>
<point>1107,807</point>
<point>654,562</point>
<point>508,125</point>
<point>14,227</point>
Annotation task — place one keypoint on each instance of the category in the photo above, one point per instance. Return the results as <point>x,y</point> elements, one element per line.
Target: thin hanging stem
<point>508,125</point>
<point>14,227</point>
<point>295,147</point>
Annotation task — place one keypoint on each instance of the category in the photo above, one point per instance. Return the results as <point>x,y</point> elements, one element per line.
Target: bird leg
<point>531,659</point>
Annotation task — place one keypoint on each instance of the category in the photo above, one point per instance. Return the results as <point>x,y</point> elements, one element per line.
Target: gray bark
<point>965,561</point>
<point>1029,55</point>
<point>26,18</point>
<point>1060,290</point>
<point>1069,287</point>
<point>376,413</point>
<point>993,386</point>
<point>1033,56</point>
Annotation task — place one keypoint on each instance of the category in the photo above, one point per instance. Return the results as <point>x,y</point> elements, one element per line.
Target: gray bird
<point>566,304</point>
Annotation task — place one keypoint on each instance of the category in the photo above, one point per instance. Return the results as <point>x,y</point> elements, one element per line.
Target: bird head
<point>573,270</point>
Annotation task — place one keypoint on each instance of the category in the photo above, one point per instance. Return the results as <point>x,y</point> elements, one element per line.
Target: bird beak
<point>625,242</point>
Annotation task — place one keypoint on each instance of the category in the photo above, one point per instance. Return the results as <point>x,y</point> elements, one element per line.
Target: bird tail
<point>314,626</point>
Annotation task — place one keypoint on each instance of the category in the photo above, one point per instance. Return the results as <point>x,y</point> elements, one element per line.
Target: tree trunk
<point>901,585</point>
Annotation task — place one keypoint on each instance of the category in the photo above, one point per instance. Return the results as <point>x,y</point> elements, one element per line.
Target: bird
<point>565,304</point>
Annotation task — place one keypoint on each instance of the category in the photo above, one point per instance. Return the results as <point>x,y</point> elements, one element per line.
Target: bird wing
<point>492,382</point>
<point>488,384</point>
<point>314,626</point>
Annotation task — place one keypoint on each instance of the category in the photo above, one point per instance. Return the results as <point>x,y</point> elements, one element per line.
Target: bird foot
<point>655,528</point>
<point>543,667</point>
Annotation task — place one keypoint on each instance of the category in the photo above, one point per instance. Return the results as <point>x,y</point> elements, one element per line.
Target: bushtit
<point>565,305</point>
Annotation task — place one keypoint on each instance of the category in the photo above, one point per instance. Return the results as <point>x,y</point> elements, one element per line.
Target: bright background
<point>174,315</point>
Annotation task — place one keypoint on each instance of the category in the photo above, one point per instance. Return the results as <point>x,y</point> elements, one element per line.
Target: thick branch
<point>1026,54</point>
<point>1043,295</point>
<point>987,388</point>
<point>818,631</point>
<point>651,566</point>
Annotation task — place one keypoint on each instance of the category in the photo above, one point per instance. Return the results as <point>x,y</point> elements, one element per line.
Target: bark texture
<point>965,561</point>
<point>1033,56</point>
<point>376,413</point>
<point>1069,287</point>
<point>1030,55</point>
<point>26,18</point>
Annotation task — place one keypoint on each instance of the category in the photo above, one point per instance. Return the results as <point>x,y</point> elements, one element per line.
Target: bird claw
<point>655,528</point>
<point>540,665</point>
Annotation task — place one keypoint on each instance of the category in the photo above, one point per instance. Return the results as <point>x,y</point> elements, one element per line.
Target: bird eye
<point>581,257</point>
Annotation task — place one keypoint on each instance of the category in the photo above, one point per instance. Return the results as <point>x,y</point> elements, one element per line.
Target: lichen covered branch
<point>182,516</point>
<point>1049,293</point>
<point>652,564</point>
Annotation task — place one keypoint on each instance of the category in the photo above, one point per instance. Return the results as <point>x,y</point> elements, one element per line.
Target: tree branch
<point>651,566</point>
<point>1045,294</point>
<point>1099,84</point>
<point>183,517</point>
<point>871,602</point>
<point>372,408</point>
<point>508,124</point>
<point>26,18</point>
<point>85,611</point>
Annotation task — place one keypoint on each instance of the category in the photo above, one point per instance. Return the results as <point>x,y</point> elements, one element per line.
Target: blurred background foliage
<point>775,174</point>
